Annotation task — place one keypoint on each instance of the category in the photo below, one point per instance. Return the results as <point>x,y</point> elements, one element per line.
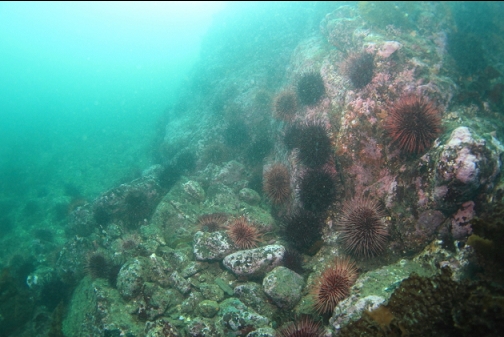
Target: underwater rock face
<point>202,327</point>
<point>340,25</point>
<point>232,174</point>
<point>156,301</point>
<point>464,166</point>
<point>72,259</point>
<point>40,277</point>
<point>130,204</point>
<point>211,246</point>
<point>235,315</point>
<point>253,296</point>
<point>98,310</point>
<point>262,332</point>
<point>250,196</point>
<point>194,190</point>
<point>283,286</point>
<point>254,262</point>
<point>131,277</point>
<point>208,308</point>
<point>161,327</point>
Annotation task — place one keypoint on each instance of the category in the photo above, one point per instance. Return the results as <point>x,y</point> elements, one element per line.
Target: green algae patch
<point>385,280</point>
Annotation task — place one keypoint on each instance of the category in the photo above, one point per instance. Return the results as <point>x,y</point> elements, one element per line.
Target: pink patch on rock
<point>461,227</point>
<point>467,171</point>
<point>388,48</point>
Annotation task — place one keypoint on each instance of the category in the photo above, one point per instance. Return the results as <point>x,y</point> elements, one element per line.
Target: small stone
<point>208,308</point>
<point>254,262</point>
<point>283,286</point>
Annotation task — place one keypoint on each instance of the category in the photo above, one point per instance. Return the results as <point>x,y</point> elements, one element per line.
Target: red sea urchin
<point>277,184</point>
<point>413,123</point>
<point>359,69</point>
<point>243,234</point>
<point>212,222</point>
<point>363,232</point>
<point>305,327</point>
<point>334,285</point>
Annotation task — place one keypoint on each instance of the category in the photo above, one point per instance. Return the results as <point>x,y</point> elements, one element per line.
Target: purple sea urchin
<point>363,232</point>
<point>359,69</point>
<point>317,190</point>
<point>285,105</point>
<point>97,266</point>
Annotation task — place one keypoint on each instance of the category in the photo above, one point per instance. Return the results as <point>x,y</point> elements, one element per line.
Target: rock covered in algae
<point>98,310</point>
<point>211,246</point>
<point>254,262</point>
<point>283,286</point>
<point>465,165</point>
<point>234,315</point>
<point>131,277</point>
<point>208,308</point>
<point>252,295</point>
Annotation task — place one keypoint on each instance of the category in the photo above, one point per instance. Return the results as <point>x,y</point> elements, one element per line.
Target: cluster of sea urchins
<point>313,142</point>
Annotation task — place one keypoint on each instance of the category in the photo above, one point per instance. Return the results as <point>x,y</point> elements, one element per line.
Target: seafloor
<point>329,170</point>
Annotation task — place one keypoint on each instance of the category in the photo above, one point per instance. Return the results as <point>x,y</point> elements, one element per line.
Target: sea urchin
<point>317,189</point>
<point>310,88</point>
<point>413,123</point>
<point>285,105</point>
<point>243,234</point>
<point>305,327</point>
<point>212,222</point>
<point>334,285</point>
<point>277,184</point>
<point>363,232</point>
<point>97,265</point>
<point>359,68</point>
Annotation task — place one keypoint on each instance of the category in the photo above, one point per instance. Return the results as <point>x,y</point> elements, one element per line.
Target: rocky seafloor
<point>210,243</point>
